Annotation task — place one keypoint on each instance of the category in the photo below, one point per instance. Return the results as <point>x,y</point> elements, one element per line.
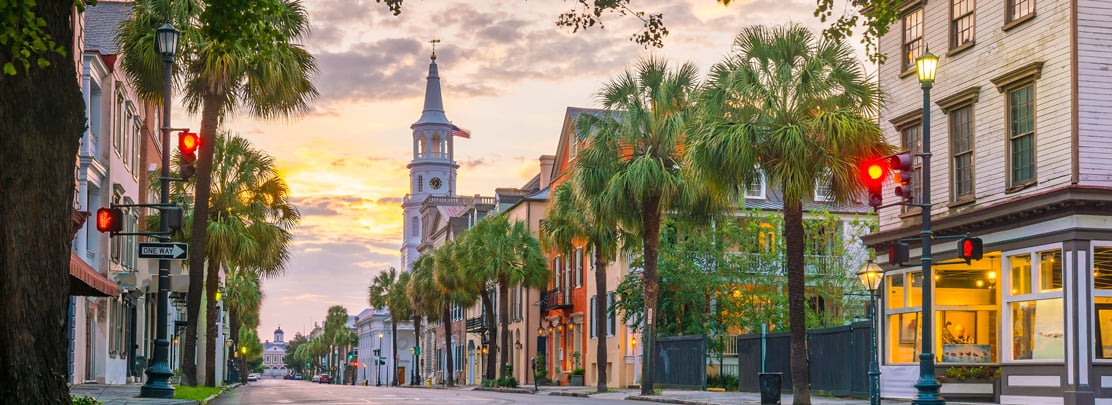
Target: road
<point>291,392</point>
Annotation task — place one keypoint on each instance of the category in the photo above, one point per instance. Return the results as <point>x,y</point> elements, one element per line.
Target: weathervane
<point>434,42</point>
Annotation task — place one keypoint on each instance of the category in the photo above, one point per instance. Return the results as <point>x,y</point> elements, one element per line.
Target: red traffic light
<point>110,220</point>
<point>188,142</point>
<point>357,363</point>
<point>970,249</point>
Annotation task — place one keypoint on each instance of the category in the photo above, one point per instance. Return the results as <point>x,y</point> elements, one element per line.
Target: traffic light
<point>873,173</point>
<point>900,164</point>
<point>356,363</point>
<point>350,356</point>
<point>110,220</point>
<point>306,364</point>
<point>898,253</point>
<point>188,142</point>
<point>970,249</point>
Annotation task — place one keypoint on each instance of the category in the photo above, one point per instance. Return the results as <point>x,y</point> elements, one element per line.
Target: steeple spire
<point>434,103</point>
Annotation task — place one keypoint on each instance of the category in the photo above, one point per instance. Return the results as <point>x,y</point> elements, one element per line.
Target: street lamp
<point>243,361</point>
<point>158,374</point>
<point>928,386</point>
<point>871,276</point>
<point>378,362</point>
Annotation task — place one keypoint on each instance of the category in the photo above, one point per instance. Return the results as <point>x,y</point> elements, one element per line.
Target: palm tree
<point>472,273</point>
<point>452,290</point>
<point>799,108</point>
<point>232,54</point>
<point>574,219</point>
<point>632,164</point>
<point>419,289</point>
<point>241,296</point>
<point>388,290</point>
<point>335,324</point>
<point>512,256</point>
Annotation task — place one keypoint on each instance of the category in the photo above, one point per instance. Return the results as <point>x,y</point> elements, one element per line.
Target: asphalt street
<point>291,392</point>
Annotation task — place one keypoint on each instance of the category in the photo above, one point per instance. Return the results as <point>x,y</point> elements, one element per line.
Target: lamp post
<point>378,361</point>
<point>927,385</point>
<point>871,276</point>
<point>243,361</point>
<point>158,374</point>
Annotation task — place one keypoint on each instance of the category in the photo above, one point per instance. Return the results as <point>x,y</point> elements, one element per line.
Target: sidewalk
<point>706,397</point>
<point>123,394</point>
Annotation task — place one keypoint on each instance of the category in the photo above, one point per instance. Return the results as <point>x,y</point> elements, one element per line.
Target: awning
<point>86,281</point>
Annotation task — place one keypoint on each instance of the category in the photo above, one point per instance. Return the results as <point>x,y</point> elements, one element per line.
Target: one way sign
<point>157,250</point>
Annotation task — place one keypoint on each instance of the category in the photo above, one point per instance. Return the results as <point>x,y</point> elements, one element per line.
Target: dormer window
<point>756,187</point>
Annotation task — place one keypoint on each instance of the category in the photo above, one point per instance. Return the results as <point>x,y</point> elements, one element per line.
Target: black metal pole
<point>158,374</point>
<point>927,385</point>
<point>874,368</point>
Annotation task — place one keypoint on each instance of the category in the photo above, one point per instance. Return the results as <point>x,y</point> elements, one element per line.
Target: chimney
<point>546,170</point>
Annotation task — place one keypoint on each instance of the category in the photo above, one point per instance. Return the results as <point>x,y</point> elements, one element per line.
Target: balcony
<point>476,325</point>
<point>556,298</point>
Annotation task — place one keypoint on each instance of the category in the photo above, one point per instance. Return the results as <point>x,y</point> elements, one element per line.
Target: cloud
<point>382,70</point>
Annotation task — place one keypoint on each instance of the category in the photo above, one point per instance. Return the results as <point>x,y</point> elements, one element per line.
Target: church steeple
<point>434,103</point>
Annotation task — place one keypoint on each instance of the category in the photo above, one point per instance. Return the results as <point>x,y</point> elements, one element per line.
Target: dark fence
<point>838,364</point>
<point>681,362</point>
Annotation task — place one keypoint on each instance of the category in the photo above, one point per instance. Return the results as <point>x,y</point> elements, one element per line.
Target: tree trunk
<point>797,311</point>
<point>650,231</point>
<point>600,318</point>
<point>417,343</point>
<point>504,323</point>
<point>447,317</point>
<point>394,343</point>
<point>212,281</point>
<point>492,331</point>
<point>209,122</point>
<point>41,121</point>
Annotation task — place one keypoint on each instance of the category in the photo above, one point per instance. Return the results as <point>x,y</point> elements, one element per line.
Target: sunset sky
<point>508,75</point>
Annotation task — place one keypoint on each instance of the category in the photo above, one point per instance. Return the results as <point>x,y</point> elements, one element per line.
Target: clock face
<point>435,183</point>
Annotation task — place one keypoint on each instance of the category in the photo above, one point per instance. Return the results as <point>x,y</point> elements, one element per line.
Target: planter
<point>575,380</point>
<point>976,389</point>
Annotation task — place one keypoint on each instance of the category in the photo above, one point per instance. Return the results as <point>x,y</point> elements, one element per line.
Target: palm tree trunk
<point>447,317</point>
<point>209,121</point>
<point>650,231</point>
<point>600,318</point>
<point>42,120</point>
<point>504,323</point>
<point>212,281</point>
<point>492,331</point>
<point>797,311</point>
<point>394,344</point>
<point>417,343</point>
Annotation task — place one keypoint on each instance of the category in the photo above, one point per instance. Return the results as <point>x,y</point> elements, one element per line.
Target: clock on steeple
<point>436,183</point>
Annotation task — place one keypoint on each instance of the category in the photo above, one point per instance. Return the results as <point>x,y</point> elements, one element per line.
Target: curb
<point>213,397</point>
<point>507,390</point>
<point>667,400</point>
<point>570,394</point>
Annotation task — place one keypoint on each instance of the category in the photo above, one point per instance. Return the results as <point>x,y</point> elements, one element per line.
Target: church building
<point>274,355</point>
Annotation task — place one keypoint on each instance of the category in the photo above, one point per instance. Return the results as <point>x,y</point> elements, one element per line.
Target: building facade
<point>1020,159</point>
<point>274,355</point>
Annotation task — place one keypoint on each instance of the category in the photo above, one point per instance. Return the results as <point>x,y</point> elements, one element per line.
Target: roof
<point>101,22</point>
<point>433,113</point>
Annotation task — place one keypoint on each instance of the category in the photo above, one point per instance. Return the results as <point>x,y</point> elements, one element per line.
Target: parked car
<point>325,379</point>
<point>287,377</point>
<point>316,378</point>
<point>253,377</point>
<point>297,376</point>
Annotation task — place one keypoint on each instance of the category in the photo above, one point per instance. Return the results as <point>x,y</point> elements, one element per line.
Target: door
<point>400,378</point>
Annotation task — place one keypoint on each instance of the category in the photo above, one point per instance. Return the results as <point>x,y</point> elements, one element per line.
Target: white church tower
<point>432,172</point>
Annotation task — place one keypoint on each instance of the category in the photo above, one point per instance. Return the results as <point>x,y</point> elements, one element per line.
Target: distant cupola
<point>278,335</point>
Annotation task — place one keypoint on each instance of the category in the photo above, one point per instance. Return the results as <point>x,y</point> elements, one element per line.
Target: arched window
<point>415,227</point>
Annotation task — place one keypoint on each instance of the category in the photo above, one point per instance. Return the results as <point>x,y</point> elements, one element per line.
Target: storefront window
<point>1050,270</point>
<point>968,336</point>
<point>1037,330</point>
<point>905,337</point>
<point>1021,274</point>
<point>895,290</point>
<point>915,290</point>
<point>1102,268</point>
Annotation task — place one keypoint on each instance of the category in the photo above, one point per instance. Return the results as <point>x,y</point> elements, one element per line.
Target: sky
<point>508,75</point>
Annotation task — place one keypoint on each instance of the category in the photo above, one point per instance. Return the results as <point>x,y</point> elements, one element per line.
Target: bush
<point>84,400</point>
<point>578,371</point>
<point>488,383</point>
<point>507,381</point>
<point>725,381</point>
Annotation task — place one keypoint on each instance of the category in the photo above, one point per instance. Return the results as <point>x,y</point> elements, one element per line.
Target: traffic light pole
<point>927,385</point>
<point>158,373</point>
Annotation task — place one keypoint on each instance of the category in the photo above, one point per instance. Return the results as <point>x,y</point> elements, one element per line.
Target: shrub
<point>84,400</point>
<point>507,381</point>
<point>488,383</point>
<point>578,371</point>
<point>724,381</point>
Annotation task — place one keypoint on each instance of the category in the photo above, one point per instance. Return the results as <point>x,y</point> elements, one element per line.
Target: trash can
<point>770,387</point>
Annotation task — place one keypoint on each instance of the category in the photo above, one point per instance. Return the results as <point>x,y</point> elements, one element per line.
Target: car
<point>287,377</point>
<point>297,376</point>
<point>326,379</point>
<point>316,378</point>
<point>253,377</point>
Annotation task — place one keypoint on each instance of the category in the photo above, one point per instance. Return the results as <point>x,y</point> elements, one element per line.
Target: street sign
<point>158,250</point>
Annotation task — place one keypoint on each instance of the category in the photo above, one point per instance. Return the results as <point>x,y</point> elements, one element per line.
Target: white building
<point>1019,119</point>
<point>274,355</point>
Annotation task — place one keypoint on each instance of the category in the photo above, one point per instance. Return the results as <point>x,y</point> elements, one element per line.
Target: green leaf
<point>9,69</point>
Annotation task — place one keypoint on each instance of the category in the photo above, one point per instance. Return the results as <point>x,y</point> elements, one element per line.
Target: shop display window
<point>1037,330</point>
<point>967,336</point>
<point>1104,328</point>
<point>895,298</point>
<point>1102,268</point>
<point>905,337</point>
<point>1021,274</point>
<point>1050,270</point>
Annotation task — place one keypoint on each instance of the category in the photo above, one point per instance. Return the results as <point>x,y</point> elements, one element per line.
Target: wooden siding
<point>996,52</point>
<point>1094,51</point>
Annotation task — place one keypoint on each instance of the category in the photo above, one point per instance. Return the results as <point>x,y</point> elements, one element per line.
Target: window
<point>1019,9</point>
<point>420,183</point>
<point>961,153</point>
<point>912,37</point>
<point>822,186</point>
<point>961,23</point>
<point>756,187</point>
<point>1033,305</point>
<point>593,307</point>
<point>1102,269</point>
<point>414,227</point>
<point>1021,135</point>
